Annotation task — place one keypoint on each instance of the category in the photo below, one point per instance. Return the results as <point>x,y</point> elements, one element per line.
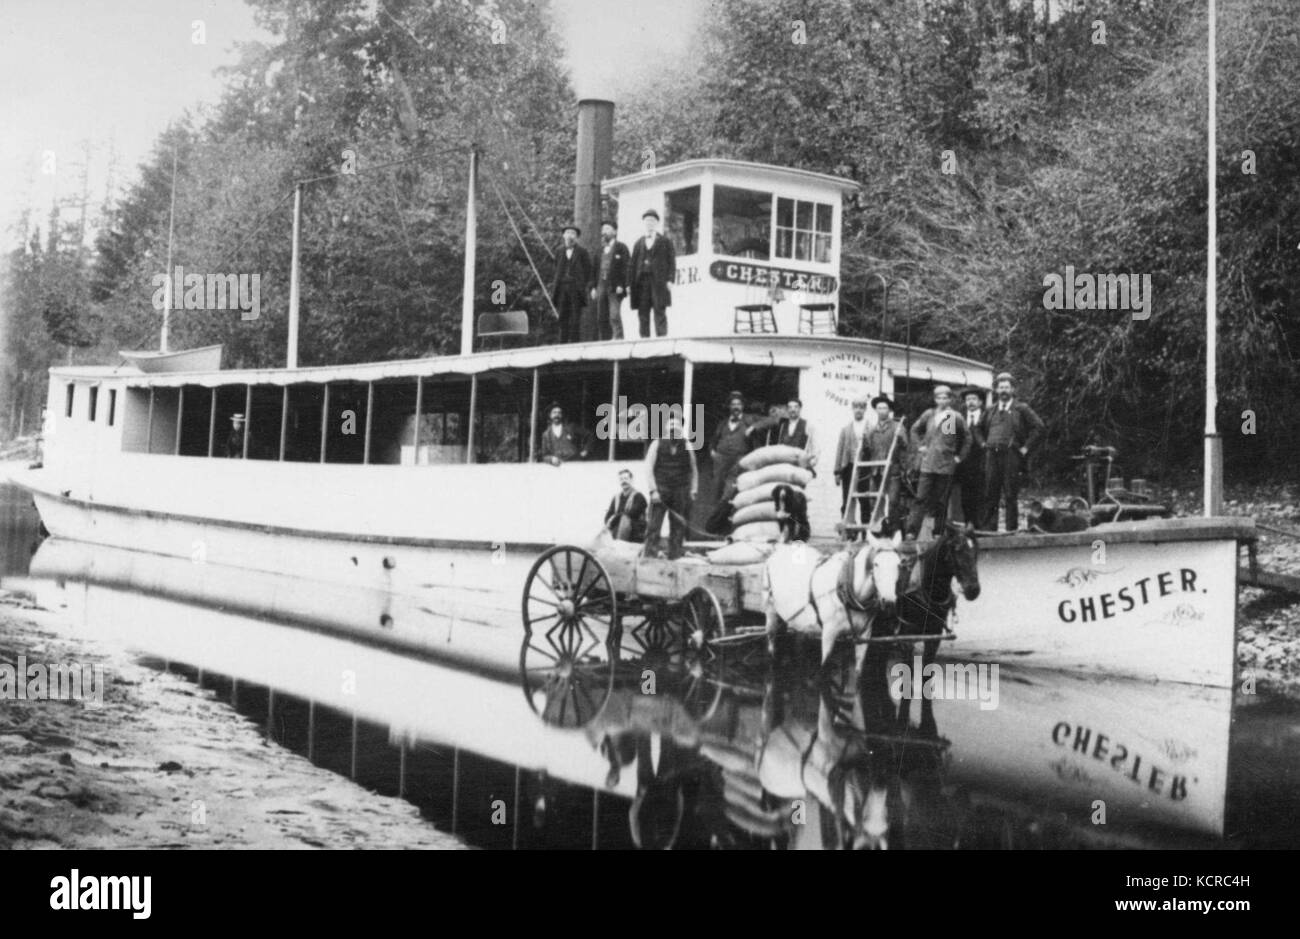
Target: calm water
<point>732,749</point>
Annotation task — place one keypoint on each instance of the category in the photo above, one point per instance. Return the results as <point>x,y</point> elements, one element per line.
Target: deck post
<point>212,423</point>
<point>352,772</point>
<point>370,410</point>
<point>455,788</point>
<point>180,410</point>
<point>234,693</point>
<point>248,416</point>
<point>473,410</point>
<point>148,439</point>
<point>532,417</point>
<point>324,421</point>
<point>613,411</point>
<point>419,412</point>
<point>284,419</point>
<point>688,392</point>
<point>514,813</point>
<point>311,731</point>
<point>401,767</point>
<point>270,714</point>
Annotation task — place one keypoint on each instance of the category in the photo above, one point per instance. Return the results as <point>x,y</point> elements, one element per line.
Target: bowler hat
<point>611,223</point>
<point>650,213</point>
<point>885,398</point>
<point>1004,376</point>
<point>970,391</point>
<point>552,406</point>
<point>573,228</point>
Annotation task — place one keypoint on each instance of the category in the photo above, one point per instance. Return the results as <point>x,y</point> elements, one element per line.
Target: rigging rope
<point>515,228</point>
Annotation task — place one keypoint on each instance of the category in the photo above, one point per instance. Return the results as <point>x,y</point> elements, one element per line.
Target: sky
<point>112,74</point>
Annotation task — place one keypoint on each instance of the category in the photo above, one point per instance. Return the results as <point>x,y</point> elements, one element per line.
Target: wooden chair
<point>500,326</point>
<point>754,318</point>
<point>817,319</point>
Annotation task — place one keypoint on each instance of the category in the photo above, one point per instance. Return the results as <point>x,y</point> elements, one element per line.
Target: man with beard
<point>561,442</point>
<point>1012,430</point>
<point>731,441</point>
<point>611,283</point>
<point>654,266</point>
<point>571,284</point>
<point>625,517</point>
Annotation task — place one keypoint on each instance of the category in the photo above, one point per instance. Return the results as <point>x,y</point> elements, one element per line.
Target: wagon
<point>593,616</point>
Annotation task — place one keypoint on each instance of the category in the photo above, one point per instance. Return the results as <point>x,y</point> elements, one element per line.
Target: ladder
<point>878,498</point>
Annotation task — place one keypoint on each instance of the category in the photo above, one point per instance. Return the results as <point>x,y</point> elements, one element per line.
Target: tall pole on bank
<point>1213,442</point>
<point>292,358</point>
<point>171,229</point>
<point>471,239</point>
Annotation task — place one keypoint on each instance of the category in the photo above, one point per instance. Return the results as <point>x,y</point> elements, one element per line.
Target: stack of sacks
<point>754,515</point>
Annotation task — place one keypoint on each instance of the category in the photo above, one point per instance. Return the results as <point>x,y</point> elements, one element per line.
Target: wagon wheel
<point>700,620</point>
<point>570,623</point>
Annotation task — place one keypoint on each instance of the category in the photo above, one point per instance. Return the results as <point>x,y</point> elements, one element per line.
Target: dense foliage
<point>1067,150</point>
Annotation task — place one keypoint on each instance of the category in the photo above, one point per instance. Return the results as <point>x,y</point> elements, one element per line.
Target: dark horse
<point>925,595</point>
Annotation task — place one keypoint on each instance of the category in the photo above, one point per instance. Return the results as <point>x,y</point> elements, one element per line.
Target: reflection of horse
<point>831,596</point>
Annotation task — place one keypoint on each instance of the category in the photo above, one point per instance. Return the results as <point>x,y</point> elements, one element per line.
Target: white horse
<point>835,596</point>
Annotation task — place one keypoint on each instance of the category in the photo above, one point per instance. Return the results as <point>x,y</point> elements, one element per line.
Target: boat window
<point>803,230</point>
<point>71,395</point>
<point>393,421</point>
<point>196,419</point>
<point>647,391</point>
<point>683,221</point>
<point>583,390</point>
<point>264,422</point>
<point>162,427</point>
<point>94,402</point>
<point>345,425</point>
<point>112,406</point>
<point>742,222</point>
<point>231,400</point>
<point>504,405</point>
<point>302,426</point>
<point>444,422</point>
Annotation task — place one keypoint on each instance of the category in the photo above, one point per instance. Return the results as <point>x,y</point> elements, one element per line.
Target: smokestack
<point>595,158</point>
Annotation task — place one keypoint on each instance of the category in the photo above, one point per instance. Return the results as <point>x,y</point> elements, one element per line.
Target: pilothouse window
<point>803,230</point>
<point>683,221</point>
<point>742,222</point>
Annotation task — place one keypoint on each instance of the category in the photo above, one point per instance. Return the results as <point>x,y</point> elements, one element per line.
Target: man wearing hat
<point>611,282</point>
<point>1011,431</point>
<point>971,474</point>
<point>235,439</point>
<point>887,434</point>
<point>573,280</point>
<point>561,442</point>
<point>941,437</point>
<point>732,439</point>
<point>848,448</point>
<point>654,266</point>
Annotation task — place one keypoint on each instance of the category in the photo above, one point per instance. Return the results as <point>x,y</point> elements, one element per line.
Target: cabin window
<point>505,400</point>
<point>584,392</point>
<point>264,422</point>
<point>94,402</point>
<point>444,422</point>
<point>71,396</point>
<point>226,441</point>
<point>196,420</point>
<point>742,222</point>
<point>683,221</point>
<point>112,406</point>
<point>345,425</point>
<point>393,421</point>
<point>648,391</point>
<point>803,230</point>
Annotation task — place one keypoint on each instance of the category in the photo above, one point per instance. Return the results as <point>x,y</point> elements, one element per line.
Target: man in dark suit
<point>611,282</point>
<point>941,438</point>
<point>625,517</point>
<point>970,476</point>
<point>1011,431</point>
<point>574,277</point>
<point>654,267</point>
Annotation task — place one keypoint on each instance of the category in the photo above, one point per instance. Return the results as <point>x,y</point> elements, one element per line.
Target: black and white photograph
<point>580,425</point>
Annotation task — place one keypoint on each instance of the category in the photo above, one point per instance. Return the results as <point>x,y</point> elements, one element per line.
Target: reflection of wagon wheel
<point>700,621</point>
<point>570,624</point>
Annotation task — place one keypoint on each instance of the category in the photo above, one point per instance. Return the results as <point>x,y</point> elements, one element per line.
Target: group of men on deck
<point>969,461</point>
<point>642,274</point>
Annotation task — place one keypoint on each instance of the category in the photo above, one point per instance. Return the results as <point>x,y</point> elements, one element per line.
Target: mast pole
<point>292,356</point>
<point>1213,442</point>
<point>171,230</point>
<point>471,238</point>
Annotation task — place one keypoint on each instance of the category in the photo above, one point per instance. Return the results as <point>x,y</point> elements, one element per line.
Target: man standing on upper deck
<point>611,283</point>
<point>654,267</point>
<point>674,483</point>
<point>941,437</point>
<point>561,442</point>
<point>794,431</point>
<point>572,282</point>
<point>1012,430</point>
<point>731,441</point>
